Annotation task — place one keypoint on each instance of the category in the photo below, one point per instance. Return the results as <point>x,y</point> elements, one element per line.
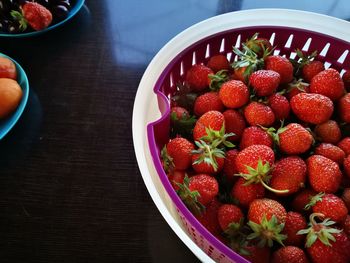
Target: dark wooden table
<point>70,188</point>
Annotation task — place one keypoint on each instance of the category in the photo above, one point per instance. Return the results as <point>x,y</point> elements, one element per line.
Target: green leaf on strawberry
<point>217,79</point>
<point>208,153</point>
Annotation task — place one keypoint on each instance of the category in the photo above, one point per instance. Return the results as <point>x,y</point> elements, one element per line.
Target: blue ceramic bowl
<point>75,9</point>
<point>7,124</point>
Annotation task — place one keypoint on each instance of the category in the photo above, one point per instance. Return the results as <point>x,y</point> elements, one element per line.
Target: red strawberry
<point>302,199</point>
<point>264,82</point>
<point>294,139</point>
<point>279,105</point>
<point>288,173</point>
<point>331,152</point>
<point>324,174</point>
<point>294,223</point>
<point>312,108</point>
<point>239,74</point>
<point>207,187</point>
<point>344,144</point>
<point>209,218</point>
<point>37,16</point>
<point>257,254</point>
<point>259,45</point>
<point>344,108</point>
<point>197,77</point>
<point>246,193</point>
<point>255,135</point>
<point>289,254</point>
<point>230,165</point>
<point>230,218</point>
<point>259,114</point>
<point>266,218</point>
<point>250,156</point>
<point>346,79</point>
<point>177,154</point>
<point>346,197</point>
<point>328,131</point>
<point>312,69</point>
<point>218,62</point>
<point>211,119</point>
<point>346,165</point>
<point>235,123</point>
<point>180,112</point>
<point>207,102</point>
<point>330,205</point>
<point>234,94</point>
<point>325,244</point>
<point>297,87</point>
<point>213,165</point>
<point>328,83</point>
<point>282,66</point>
<point>176,177</point>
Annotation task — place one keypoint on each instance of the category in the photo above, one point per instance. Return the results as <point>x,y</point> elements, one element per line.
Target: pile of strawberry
<point>260,153</point>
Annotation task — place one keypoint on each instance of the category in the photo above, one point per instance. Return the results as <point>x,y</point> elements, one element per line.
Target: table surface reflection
<point>70,188</point>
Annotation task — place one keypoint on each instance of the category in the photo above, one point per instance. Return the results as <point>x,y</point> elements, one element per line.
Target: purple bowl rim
<point>231,254</point>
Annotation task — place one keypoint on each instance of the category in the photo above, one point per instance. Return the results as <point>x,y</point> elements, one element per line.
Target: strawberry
<point>282,66</point>
<point>259,45</point>
<point>209,217</point>
<point>288,173</point>
<point>346,79</point>
<point>259,114</point>
<point>328,131</point>
<point>312,108</point>
<point>176,177</point>
<point>246,193</point>
<point>211,119</point>
<point>294,139</point>
<point>328,83</point>
<point>218,62</point>
<point>247,60</point>
<point>331,152</point>
<point>264,82</point>
<point>239,74</point>
<point>177,154</point>
<point>230,165</point>
<point>346,165</point>
<point>326,244</point>
<point>295,87</point>
<point>250,157</point>
<point>324,174</point>
<point>234,123</point>
<point>344,144</point>
<point>266,218</point>
<point>289,254</point>
<point>280,106</point>
<point>234,94</point>
<point>294,223</point>
<point>256,254</point>
<point>344,108</point>
<point>302,199</point>
<point>312,69</point>
<point>346,197</point>
<point>206,185</point>
<point>230,218</point>
<point>207,102</point>
<point>197,77</point>
<point>179,112</point>
<point>255,135</point>
<point>330,205</point>
<point>33,14</point>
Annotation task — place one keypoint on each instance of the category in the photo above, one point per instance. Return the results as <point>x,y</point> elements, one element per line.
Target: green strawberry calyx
<point>23,24</point>
<point>182,126</point>
<point>217,79</point>
<point>321,231</point>
<point>208,153</point>
<point>303,60</point>
<point>190,198</point>
<point>219,137</point>
<point>267,231</point>
<point>314,200</point>
<point>260,175</point>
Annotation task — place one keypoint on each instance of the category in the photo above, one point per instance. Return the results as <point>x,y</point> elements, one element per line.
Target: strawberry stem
<point>272,189</point>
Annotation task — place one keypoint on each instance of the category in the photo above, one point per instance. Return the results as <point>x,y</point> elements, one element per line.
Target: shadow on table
<point>15,146</point>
